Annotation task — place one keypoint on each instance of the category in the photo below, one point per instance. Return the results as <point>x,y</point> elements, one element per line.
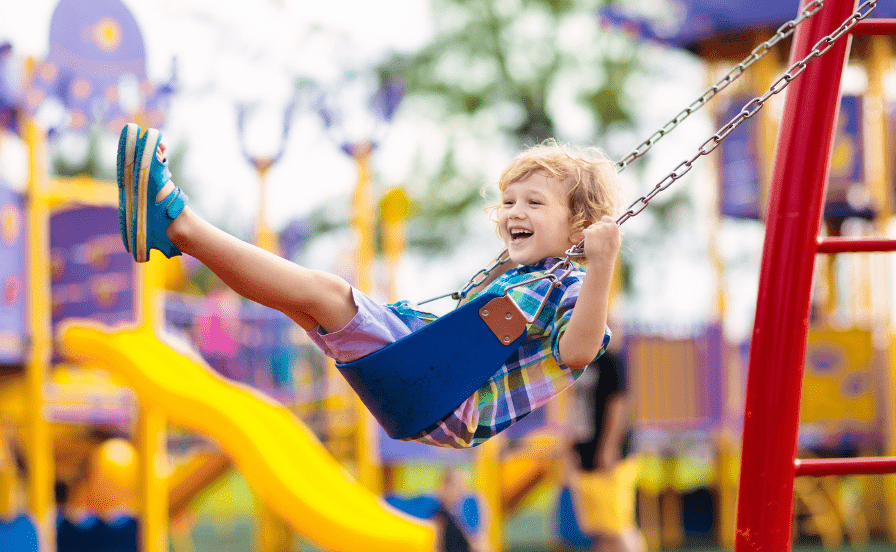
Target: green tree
<point>511,73</point>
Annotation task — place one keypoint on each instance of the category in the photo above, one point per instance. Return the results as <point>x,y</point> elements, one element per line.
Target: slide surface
<point>282,460</point>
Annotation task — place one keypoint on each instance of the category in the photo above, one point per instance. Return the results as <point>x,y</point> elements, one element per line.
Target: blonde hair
<point>593,188</point>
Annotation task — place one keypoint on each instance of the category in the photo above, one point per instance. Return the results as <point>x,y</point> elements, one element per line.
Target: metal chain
<point>750,109</point>
<point>476,280</point>
<point>482,275</point>
<point>783,32</point>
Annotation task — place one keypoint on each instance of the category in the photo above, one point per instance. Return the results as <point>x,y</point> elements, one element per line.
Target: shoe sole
<point>141,188</point>
<point>127,145</point>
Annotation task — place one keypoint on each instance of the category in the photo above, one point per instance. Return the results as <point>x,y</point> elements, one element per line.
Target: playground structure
<point>56,260</point>
<point>778,348</point>
<point>772,526</point>
<point>848,365</point>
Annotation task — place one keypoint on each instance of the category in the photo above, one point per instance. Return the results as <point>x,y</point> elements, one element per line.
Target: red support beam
<point>856,245</point>
<point>875,27</point>
<point>845,466</point>
<point>778,343</point>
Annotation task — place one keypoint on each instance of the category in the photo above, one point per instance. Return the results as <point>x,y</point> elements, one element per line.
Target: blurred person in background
<point>217,332</point>
<point>453,530</point>
<point>601,469</point>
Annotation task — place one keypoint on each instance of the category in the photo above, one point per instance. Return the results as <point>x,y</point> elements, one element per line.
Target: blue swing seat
<point>413,383</point>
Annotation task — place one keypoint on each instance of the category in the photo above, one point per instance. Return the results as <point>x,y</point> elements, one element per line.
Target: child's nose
<point>515,211</point>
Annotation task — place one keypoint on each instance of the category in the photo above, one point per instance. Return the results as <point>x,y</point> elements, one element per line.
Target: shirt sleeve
<point>561,321</point>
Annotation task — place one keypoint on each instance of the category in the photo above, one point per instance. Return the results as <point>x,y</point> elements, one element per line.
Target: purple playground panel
<point>13,277</point>
<point>95,47</point>
<point>91,273</point>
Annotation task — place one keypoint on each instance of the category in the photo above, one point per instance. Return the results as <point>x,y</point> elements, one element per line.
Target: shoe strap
<point>164,173</point>
<point>176,204</point>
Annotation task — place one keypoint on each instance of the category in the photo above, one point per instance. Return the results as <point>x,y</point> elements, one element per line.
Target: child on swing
<point>552,197</point>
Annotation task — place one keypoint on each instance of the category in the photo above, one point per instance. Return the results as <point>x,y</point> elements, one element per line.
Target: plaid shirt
<point>530,377</point>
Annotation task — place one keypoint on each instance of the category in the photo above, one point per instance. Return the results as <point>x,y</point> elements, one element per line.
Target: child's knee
<point>328,299</point>
<point>331,288</point>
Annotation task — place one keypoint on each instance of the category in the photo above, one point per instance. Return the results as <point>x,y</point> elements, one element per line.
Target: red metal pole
<point>845,466</point>
<point>855,245</point>
<point>778,344</point>
<point>875,27</point>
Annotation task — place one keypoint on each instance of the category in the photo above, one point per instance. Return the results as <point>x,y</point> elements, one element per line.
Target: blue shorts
<point>374,327</point>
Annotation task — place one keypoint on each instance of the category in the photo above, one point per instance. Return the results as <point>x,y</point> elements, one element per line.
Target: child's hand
<point>602,242</point>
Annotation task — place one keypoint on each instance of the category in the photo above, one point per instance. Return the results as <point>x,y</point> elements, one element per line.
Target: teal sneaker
<point>149,220</point>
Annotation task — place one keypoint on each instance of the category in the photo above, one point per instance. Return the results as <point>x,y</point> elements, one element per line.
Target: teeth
<point>518,233</point>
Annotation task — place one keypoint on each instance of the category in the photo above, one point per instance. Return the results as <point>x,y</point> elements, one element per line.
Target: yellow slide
<point>282,460</point>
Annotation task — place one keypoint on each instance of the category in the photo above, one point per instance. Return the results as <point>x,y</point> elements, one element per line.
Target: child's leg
<point>310,297</point>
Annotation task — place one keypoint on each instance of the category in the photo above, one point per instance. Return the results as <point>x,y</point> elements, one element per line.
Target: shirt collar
<point>544,264</point>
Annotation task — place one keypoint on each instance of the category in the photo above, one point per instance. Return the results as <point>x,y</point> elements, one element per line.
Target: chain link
<point>476,280</point>
<point>783,32</point>
<point>750,109</point>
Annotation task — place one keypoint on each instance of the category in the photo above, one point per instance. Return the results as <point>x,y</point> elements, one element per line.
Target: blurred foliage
<point>495,68</point>
<point>89,164</point>
<point>95,161</point>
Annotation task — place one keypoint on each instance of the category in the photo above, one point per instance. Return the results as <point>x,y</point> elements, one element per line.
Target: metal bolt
<point>507,339</point>
<point>508,316</point>
<point>484,312</point>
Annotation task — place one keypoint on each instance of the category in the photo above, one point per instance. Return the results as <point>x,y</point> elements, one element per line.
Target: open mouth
<point>518,235</point>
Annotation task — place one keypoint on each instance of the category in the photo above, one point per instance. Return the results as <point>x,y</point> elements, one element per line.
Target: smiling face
<point>534,219</point>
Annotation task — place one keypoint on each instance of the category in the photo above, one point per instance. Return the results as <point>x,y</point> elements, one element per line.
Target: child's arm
<point>584,334</point>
